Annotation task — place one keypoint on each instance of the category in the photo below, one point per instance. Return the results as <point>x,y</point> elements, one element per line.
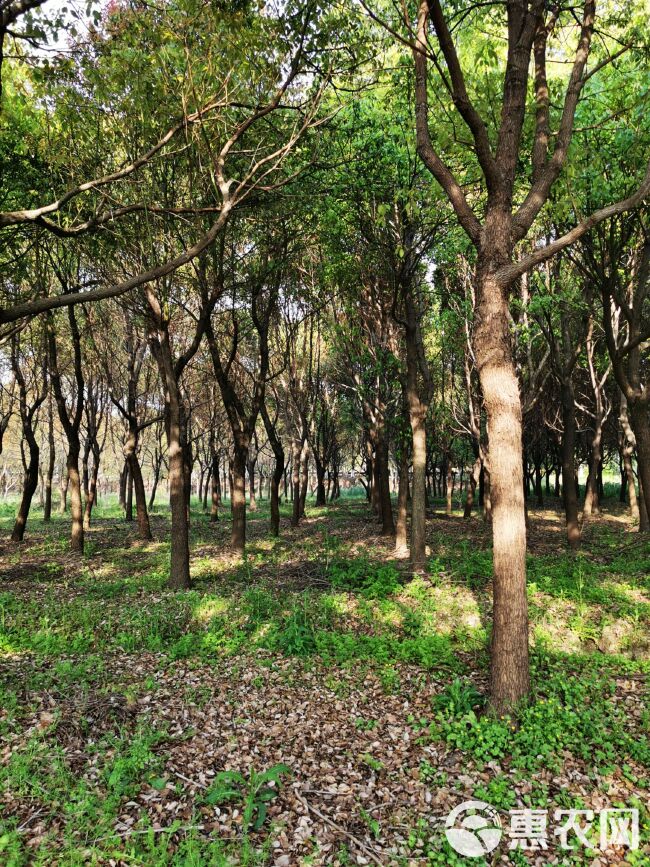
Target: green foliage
<point>574,714</point>
<point>458,697</point>
<point>372,581</point>
<point>254,793</point>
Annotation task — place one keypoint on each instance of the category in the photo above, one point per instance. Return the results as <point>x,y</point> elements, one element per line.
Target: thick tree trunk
<point>76,507</point>
<point>238,499</point>
<point>510,680</point>
<point>417,409</point>
<point>179,572</point>
<point>640,423</point>
<point>418,493</point>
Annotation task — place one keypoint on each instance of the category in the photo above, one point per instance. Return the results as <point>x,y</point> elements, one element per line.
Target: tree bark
<point>142,515</point>
<point>472,481</point>
<point>304,478</point>
<point>216,488</point>
<point>401,529</point>
<point>417,417</point>
<point>128,505</point>
<point>510,680</point>
<point>252,504</point>
<point>321,495</point>
<point>238,498</point>
<point>640,423</point>
<point>386,506</point>
<point>92,488</point>
<point>76,508</point>
<point>627,443</point>
<point>51,459</point>
<point>63,490</point>
<point>179,572</point>
<point>296,448</point>
<point>30,483</point>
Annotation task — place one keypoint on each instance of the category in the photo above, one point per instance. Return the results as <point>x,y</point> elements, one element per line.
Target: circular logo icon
<point>473,828</point>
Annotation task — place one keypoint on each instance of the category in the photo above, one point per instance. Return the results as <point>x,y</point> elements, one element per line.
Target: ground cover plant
<point>283,713</point>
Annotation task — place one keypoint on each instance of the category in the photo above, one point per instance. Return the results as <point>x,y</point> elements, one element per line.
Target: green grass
<point>319,598</point>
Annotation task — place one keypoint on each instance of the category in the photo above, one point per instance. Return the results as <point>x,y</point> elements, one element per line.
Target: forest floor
<point>310,705</point>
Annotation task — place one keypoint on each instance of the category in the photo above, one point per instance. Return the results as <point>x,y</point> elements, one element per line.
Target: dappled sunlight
<point>210,608</point>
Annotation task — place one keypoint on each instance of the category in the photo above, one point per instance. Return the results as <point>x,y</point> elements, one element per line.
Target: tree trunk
<point>401,537</point>
<point>640,423</point>
<point>296,448</point>
<point>539,494</point>
<point>142,515</point>
<point>418,492</point>
<point>206,487</point>
<point>51,459</point>
<point>156,479</point>
<point>592,499</point>
<point>278,472</point>
<point>644,515</point>
<point>386,506</point>
<point>179,572</point>
<point>64,482</point>
<point>473,481</point>
<point>321,495</point>
<point>128,505</point>
<point>30,483</point>
<point>252,504</point>
<point>92,490</point>
<point>627,443</point>
<point>449,490</point>
<point>510,680</point>
<point>76,508</point>
<point>304,478</point>
<point>216,489</point>
<point>569,492</point>
<point>238,498</point>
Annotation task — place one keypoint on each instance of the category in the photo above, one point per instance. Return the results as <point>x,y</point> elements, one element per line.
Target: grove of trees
<point>282,249</point>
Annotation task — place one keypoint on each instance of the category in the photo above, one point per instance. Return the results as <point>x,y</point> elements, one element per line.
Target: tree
<point>504,224</point>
